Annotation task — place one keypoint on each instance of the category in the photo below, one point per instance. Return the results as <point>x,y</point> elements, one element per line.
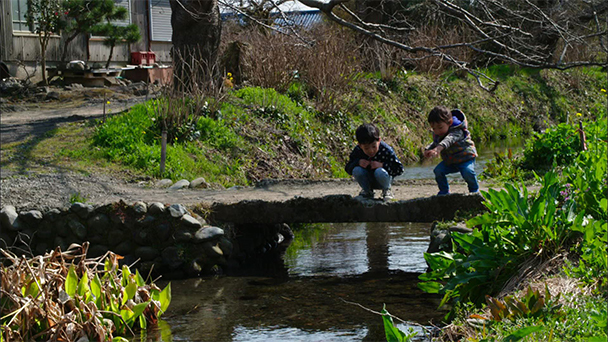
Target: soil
<point>51,189</point>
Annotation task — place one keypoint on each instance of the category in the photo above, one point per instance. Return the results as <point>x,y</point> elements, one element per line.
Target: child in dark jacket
<point>452,140</point>
<point>373,163</point>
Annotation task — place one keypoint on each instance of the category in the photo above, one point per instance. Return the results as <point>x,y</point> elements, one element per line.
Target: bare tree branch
<point>530,33</point>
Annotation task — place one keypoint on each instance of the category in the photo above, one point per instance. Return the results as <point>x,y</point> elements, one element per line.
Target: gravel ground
<point>45,191</point>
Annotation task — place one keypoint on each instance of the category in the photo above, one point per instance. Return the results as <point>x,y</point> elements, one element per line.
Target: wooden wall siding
<point>162,50</point>
<point>99,52</point>
<point>139,17</point>
<point>6,31</point>
<point>25,46</point>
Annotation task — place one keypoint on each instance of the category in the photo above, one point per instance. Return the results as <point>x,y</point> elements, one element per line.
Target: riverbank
<point>251,134</point>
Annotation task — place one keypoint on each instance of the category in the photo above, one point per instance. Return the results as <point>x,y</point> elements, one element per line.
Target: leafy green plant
<point>77,197</point>
<point>516,227</point>
<point>560,144</point>
<point>394,334</point>
<point>48,298</point>
<point>592,266</point>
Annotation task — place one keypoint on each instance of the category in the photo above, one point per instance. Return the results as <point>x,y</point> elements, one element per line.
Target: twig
<point>388,314</point>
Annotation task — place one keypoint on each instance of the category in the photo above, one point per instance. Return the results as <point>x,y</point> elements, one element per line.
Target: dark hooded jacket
<point>385,155</point>
<point>457,143</point>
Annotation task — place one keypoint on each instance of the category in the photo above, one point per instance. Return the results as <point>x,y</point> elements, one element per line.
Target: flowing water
<point>324,288</point>
<point>321,290</point>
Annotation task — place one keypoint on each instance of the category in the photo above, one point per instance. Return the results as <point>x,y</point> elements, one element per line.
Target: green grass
<point>261,133</point>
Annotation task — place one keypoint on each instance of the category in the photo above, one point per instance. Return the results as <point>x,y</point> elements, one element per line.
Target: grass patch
<point>260,133</point>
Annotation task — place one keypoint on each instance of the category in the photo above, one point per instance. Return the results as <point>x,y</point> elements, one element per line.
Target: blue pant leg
<point>382,179</point>
<point>363,177</point>
<point>467,170</point>
<point>441,171</point>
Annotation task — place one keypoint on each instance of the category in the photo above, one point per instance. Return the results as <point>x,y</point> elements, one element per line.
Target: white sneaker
<point>387,194</point>
<point>366,194</point>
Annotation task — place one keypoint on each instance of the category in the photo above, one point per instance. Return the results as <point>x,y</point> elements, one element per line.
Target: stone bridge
<point>344,208</point>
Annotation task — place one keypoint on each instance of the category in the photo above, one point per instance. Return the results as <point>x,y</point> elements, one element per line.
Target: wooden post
<point>104,106</point>
<point>582,136</point>
<point>163,152</point>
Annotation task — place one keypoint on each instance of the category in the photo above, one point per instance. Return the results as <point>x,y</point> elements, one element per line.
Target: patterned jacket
<point>385,155</point>
<point>457,143</point>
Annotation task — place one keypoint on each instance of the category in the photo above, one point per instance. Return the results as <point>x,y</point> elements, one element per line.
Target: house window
<point>160,20</point>
<point>126,4</point>
<point>19,10</point>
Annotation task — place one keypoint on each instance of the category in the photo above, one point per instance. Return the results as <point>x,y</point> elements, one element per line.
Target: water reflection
<point>368,264</point>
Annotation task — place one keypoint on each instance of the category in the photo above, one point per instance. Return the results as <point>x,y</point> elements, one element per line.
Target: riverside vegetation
<point>253,133</point>
<point>63,296</point>
<point>555,236</point>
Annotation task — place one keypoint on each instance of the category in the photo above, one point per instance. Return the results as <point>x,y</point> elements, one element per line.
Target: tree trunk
<point>65,46</point>
<point>196,38</point>
<point>43,43</point>
<point>110,56</point>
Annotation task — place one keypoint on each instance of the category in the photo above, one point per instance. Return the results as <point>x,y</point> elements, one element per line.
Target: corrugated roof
<point>301,19</point>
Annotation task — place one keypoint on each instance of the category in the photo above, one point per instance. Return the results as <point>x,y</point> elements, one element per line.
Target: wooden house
<point>20,49</point>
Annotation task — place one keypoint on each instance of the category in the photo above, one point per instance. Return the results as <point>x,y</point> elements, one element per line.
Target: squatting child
<point>373,163</point>
<point>452,140</point>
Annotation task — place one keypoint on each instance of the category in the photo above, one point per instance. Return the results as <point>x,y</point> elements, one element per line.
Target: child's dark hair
<point>440,114</point>
<point>367,133</point>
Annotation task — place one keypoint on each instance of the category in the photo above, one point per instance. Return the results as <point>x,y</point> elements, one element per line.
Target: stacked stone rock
<point>156,238</point>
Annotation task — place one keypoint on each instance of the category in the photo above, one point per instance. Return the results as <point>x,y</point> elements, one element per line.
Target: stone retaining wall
<point>167,239</point>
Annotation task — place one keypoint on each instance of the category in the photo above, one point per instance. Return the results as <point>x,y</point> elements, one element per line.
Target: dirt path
<point>34,121</point>
<point>56,189</point>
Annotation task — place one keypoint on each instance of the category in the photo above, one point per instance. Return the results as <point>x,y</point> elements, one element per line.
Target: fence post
<point>163,152</point>
<point>582,136</point>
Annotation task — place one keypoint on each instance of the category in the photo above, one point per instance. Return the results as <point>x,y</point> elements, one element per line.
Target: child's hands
<point>376,165</point>
<point>364,163</point>
<point>432,153</point>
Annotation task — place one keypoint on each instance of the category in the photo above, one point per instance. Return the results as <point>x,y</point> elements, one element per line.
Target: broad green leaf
<point>71,282</point>
<point>83,285</point>
<point>137,310</point>
<point>521,333</point>
<point>128,292</point>
<point>142,322</point>
<point>430,286</point>
<point>127,315</point>
<point>30,289</point>
<point>119,339</point>
<point>139,279</point>
<point>165,298</point>
<point>393,334</point>
<point>126,272</point>
<point>96,286</point>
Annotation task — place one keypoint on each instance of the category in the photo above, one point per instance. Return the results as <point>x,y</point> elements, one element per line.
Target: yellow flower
<point>108,102</point>
<point>522,102</point>
<point>603,90</point>
<point>579,114</point>
<point>229,74</point>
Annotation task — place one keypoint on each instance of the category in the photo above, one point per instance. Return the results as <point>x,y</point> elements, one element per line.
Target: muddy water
<point>316,292</point>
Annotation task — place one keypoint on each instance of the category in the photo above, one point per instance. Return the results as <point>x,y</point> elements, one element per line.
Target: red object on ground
<point>151,57</point>
<point>139,58</point>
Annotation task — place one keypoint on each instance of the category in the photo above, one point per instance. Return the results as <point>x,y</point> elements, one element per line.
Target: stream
<point>324,288</point>
<point>320,291</point>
